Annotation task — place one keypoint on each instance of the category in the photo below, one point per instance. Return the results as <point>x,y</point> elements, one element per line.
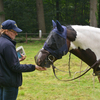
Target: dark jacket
<point>10,68</point>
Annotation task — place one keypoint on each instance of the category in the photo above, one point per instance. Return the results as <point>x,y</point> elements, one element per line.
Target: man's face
<point>11,33</point>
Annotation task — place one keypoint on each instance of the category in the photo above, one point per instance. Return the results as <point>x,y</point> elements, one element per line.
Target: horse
<point>80,40</point>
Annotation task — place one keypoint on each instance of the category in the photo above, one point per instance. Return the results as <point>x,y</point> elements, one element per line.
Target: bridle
<point>53,67</point>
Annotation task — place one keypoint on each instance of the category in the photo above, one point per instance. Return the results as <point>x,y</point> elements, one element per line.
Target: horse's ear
<point>59,27</point>
<point>54,24</point>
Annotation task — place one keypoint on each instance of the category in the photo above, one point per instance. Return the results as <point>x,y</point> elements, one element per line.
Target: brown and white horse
<point>82,41</point>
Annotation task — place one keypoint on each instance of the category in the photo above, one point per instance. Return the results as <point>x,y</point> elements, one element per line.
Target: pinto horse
<point>82,41</point>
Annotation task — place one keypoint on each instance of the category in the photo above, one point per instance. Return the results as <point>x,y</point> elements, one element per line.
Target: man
<point>10,67</point>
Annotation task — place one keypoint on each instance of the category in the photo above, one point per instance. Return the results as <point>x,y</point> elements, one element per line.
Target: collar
<point>7,37</point>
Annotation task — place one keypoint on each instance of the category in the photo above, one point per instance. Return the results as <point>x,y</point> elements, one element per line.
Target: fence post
<point>40,34</point>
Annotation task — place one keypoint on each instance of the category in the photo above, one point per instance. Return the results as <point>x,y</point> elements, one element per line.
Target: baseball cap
<point>10,24</point>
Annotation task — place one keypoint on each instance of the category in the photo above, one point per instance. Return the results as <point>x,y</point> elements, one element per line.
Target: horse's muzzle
<point>41,59</point>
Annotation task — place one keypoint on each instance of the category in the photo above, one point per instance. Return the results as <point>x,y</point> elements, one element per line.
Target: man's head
<point>9,27</point>
<point>10,24</point>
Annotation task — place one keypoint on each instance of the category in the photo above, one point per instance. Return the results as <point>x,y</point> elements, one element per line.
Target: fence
<point>31,36</point>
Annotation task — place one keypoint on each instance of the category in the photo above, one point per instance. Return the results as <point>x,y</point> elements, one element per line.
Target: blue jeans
<point>8,93</point>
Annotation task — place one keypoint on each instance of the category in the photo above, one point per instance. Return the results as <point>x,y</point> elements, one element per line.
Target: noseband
<point>51,60</point>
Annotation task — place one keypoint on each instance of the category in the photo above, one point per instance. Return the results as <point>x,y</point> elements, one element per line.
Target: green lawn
<point>39,85</point>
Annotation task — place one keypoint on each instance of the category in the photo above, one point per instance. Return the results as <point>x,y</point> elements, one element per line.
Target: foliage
<point>1,13</point>
<point>70,12</point>
<point>67,12</point>
<point>24,12</point>
<point>98,13</point>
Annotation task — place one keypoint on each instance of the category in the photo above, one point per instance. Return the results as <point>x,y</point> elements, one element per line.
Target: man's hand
<point>39,68</point>
<point>22,58</point>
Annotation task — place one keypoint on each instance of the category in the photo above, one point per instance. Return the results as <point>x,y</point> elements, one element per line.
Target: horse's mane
<point>86,28</point>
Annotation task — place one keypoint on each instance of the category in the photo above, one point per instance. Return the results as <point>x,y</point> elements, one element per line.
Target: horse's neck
<point>86,44</point>
<point>87,38</point>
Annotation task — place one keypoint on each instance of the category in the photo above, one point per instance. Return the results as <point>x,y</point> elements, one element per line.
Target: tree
<point>2,16</point>
<point>99,13</point>
<point>93,11</point>
<point>57,9</point>
<point>40,15</point>
<point>30,18</point>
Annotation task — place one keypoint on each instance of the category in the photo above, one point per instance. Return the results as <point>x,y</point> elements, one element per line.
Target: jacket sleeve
<point>12,61</point>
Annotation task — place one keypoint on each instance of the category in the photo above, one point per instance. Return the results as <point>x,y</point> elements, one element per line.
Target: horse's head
<point>56,46</point>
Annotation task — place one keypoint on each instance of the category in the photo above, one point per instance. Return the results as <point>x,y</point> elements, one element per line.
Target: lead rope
<point>80,70</point>
<point>93,82</point>
<point>53,67</point>
<point>69,64</point>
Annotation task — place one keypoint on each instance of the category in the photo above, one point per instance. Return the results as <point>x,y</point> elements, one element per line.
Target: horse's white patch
<point>87,37</point>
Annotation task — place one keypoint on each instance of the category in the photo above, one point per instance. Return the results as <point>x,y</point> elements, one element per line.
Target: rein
<point>53,67</point>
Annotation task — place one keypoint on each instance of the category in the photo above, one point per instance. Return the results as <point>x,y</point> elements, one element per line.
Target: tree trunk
<point>40,15</point>
<point>57,9</point>
<point>93,11</point>
<point>2,16</point>
<point>99,15</point>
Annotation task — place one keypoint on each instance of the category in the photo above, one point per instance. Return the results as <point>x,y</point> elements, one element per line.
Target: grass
<point>43,85</point>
